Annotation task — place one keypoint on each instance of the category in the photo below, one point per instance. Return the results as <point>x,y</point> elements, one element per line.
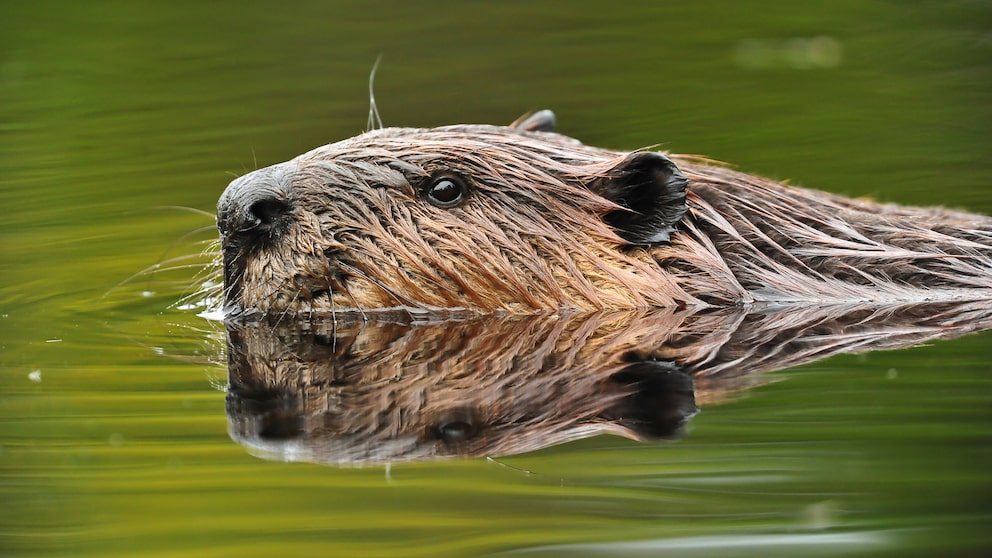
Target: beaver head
<point>519,219</point>
<point>482,218</point>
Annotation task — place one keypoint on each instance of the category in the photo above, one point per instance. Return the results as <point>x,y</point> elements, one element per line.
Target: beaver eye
<point>455,431</point>
<point>456,425</point>
<point>446,191</point>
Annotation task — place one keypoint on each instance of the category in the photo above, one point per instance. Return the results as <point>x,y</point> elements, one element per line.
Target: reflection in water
<point>351,393</point>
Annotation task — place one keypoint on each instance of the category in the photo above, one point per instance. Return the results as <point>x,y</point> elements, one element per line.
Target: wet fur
<point>535,235</point>
<point>379,392</point>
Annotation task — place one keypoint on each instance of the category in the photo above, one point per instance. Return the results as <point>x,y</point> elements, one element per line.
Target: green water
<point>113,434</point>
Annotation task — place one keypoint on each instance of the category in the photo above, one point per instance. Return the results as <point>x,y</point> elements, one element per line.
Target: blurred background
<point>114,114</point>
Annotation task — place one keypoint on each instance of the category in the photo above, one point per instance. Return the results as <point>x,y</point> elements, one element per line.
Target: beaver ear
<point>652,189</point>
<point>660,399</point>
<point>540,121</point>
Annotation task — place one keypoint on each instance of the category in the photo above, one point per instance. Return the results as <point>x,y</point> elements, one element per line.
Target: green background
<point>112,113</point>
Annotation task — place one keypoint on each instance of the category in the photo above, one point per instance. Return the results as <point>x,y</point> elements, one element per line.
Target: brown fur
<point>378,392</point>
<point>354,232</point>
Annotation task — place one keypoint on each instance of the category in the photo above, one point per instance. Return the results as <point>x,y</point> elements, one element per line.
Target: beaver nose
<point>254,204</point>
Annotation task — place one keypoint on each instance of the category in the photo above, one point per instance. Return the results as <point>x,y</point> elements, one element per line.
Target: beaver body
<point>518,219</point>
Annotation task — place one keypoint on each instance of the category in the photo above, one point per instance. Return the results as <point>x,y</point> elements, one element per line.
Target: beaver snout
<point>256,205</point>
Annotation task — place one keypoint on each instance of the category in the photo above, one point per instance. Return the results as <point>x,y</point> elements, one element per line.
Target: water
<point>113,424</point>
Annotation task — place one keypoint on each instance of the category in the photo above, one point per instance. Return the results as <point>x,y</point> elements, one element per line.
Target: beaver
<point>519,219</point>
<point>349,392</point>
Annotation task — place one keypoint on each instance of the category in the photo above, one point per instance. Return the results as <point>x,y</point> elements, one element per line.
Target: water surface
<point>113,425</point>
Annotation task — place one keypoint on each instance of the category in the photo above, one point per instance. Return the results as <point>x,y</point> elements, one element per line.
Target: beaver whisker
<point>194,210</point>
<point>164,267</point>
<point>194,232</point>
<point>235,258</point>
<point>354,301</point>
<point>231,288</point>
<point>328,274</point>
<point>207,297</point>
<point>334,316</point>
<point>289,306</point>
<point>313,297</point>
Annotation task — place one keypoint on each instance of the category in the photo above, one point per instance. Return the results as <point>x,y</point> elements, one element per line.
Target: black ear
<point>660,401</point>
<point>652,189</point>
<point>540,121</point>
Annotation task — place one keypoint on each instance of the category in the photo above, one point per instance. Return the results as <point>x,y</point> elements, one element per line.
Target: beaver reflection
<point>389,391</point>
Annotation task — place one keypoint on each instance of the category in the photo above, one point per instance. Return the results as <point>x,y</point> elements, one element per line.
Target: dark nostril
<point>268,211</point>
<point>256,204</point>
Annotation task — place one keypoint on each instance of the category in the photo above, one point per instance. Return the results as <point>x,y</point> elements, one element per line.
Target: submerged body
<point>519,219</point>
